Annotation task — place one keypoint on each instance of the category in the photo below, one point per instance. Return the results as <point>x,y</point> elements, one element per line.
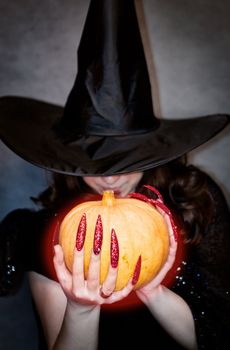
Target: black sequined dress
<point>202,280</point>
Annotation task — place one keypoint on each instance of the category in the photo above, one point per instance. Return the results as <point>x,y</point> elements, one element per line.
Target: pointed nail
<point>139,196</point>
<point>55,239</point>
<point>154,190</point>
<point>81,233</point>
<point>174,228</point>
<point>98,235</point>
<point>168,212</point>
<point>114,249</point>
<point>137,271</point>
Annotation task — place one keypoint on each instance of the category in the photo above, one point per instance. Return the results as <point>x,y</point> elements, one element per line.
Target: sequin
<point>98,235</point>
<point>81,233</point>
<point>114,249</point>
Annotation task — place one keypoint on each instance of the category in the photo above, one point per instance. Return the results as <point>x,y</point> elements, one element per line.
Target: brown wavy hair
<point>183,187</point>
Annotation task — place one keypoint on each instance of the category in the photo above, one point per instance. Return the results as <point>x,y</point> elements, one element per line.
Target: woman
<point>194,310</point>
<point>107,137</point>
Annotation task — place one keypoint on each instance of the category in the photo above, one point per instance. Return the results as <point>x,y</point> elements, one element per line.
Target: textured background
<point>38,41</point>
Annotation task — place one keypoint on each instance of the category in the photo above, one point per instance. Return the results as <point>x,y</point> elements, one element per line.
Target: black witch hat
<point>108,124</point>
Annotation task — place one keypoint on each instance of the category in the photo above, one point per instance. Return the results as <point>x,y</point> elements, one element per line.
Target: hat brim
<point>26,127</point>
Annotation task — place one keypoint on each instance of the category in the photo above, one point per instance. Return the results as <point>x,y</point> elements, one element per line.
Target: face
<point>120,184</point>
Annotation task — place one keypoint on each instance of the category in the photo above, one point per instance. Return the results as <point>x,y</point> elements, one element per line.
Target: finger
<point>172,251</point>
<point>168,222</point>
<point>78,269</point>
<point>93,276</point>
<point>173,244</point>
<point>172,229</point>
<point>110,282</point>
<point>170,260</point>
<point>116,296</point>
<point>121,294</point>
<point>62,272</point>
<point>78,258</point>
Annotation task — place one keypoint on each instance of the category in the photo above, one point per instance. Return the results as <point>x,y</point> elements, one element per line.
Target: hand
<point>150,289</point>
<point>88,291</point>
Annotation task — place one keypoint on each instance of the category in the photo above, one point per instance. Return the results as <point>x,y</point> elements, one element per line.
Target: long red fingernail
<point>114,249</point>
<point>139,196</point>
<point>174,228</point>
<point>81,232</point>
<point>55,239</point>
<point>98,236</point>
<point>137,271</point>
<point>154,190</point>
<point>168,212</point>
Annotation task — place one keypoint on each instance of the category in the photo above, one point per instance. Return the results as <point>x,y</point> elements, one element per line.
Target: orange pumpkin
<point>140,230</point>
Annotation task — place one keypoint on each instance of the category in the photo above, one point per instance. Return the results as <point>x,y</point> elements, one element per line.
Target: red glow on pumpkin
<point>50,238</point>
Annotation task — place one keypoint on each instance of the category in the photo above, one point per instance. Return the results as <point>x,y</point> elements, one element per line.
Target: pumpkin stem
<point>108,198</point>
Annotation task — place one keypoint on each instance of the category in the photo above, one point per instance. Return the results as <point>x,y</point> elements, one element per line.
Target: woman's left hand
<point>154,286</point>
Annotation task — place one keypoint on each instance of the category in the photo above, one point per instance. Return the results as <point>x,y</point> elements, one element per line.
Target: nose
<point>111,180</point>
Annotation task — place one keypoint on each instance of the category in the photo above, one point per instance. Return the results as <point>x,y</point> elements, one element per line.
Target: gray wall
<point>191,49</point>
<point>38,41</point>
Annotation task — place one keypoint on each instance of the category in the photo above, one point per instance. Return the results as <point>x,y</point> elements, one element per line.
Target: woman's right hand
<point>88,291</point>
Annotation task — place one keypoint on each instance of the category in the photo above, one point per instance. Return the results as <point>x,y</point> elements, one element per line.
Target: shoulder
<point>22,217</point>
<point>15,217</point>
<point>11,271</point>
<point>21,226</point>
<point>20,221</point>
<point>18,232</point>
